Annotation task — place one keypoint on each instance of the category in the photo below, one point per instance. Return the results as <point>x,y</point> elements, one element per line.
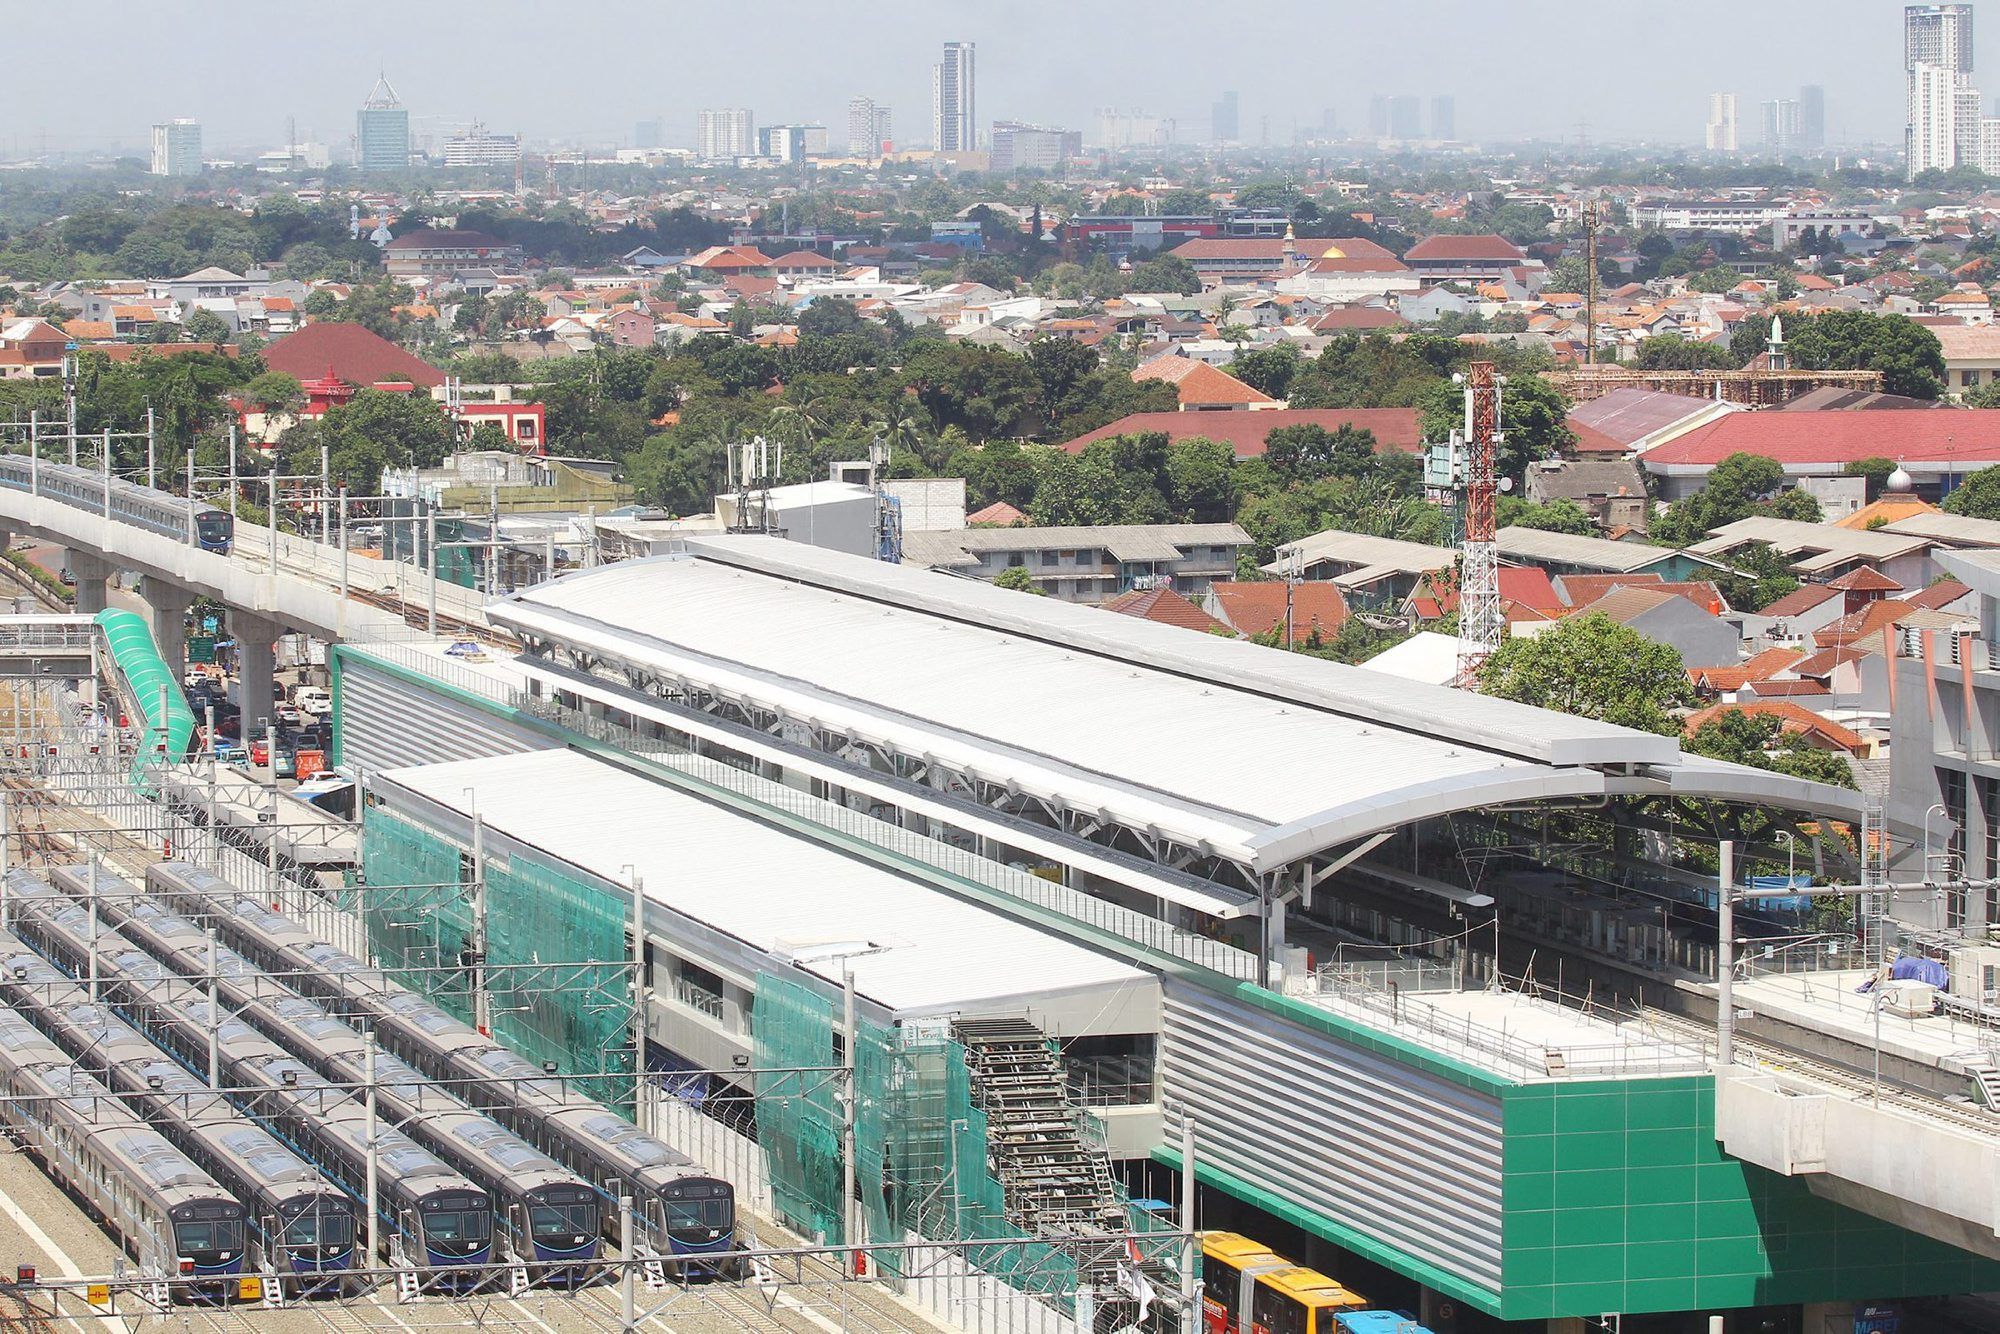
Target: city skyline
<point>1026,72</point>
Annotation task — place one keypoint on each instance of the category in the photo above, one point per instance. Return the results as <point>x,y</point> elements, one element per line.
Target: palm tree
<point>901,426</point>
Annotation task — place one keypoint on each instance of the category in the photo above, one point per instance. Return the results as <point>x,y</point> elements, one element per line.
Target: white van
<point>316,700</point>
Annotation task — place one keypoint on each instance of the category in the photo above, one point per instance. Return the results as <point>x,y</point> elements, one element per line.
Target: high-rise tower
<point>954,109</point>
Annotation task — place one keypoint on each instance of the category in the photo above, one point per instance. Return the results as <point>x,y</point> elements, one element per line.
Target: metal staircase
<point>1053,1181</point>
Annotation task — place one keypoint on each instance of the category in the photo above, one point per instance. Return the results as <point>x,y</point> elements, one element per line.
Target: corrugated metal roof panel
<point>782,894</point>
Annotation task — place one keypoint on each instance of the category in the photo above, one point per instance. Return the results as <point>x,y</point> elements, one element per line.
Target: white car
<point>316,700</point>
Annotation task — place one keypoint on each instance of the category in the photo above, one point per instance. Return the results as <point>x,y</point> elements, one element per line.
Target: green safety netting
<point>556,949</point>
<point>169,721</point>
<point>920,1144</point>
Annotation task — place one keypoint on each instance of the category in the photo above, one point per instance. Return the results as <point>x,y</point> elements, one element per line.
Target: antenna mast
<point>1590,283</point>
<point>1481,622</point>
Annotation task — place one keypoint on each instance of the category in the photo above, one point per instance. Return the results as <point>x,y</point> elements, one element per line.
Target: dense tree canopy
<point>1593,667</point>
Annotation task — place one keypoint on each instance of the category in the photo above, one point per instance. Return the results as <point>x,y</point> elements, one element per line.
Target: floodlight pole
<point>1725,957</point>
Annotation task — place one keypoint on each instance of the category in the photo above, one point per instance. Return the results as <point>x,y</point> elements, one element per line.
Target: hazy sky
<point>94,74</point>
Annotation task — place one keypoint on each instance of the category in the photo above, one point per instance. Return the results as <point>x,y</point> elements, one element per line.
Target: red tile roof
<point>1760,667</point>
<point>1167,607</point>
<point>1969,438</point>
<point>1775,689</point>
<point>1823,662</point>
<point>434,238</point>
<point>1259,608</point>
<point>1861,624</point>
<point>1793,718</point>
<point>351,353</point>
<point>1497,248</point>
<point>1000,514</point>
<point>1198,383</point>
<point>1865,579</point>
<point>1584,589</point>
<point>801,260</point>
<point>1345,319</point>
<point>1938,596</point>
<point>1800,601</point>
<point>1396,430</point>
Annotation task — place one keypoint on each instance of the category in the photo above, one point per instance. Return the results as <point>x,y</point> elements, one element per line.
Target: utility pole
<point>151,481</point>
<point>1590,284</point>
<point>374,1151</point>
<point>848,1231</point>
<point>431,542</point>
<point>1725,958</point>
<point>214,1016</point>
<point>642,1001</point>
<point>482,1000</point>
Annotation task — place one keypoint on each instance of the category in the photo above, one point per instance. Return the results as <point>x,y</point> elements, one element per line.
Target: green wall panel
<point>1618,1198</point>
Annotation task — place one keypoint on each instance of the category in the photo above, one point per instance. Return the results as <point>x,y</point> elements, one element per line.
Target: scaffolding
<point>419,917</point>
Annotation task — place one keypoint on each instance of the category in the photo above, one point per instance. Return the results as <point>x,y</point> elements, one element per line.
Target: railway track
<point>1859,1085</point>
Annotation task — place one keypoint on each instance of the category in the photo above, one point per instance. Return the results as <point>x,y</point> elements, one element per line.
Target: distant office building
<point>646,134</point>
<point>177,148</point>
<point>791,143</point>
<point>724,132</point>
<point>1943,126</point>
<point>1017,145</point>
<point>1378,117</point>
<point>1406,117</point>
<point>1721,136</point>
<point>1444,118</point>
<point>382,130</point>
<point>1812,117</point>
<point>1938,35</point>
<point>1132,129</point>
<point>1225,120</point>
<point>477,148</point>
<point>868,127</point>
<point>954,108</point>
<point>1783,125</point>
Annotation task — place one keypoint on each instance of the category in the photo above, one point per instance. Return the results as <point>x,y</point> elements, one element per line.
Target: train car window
<point>458,1225</point>
<point>549,1220</point>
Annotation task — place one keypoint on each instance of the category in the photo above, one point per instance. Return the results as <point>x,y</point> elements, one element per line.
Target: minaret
<point>1775,348</point>
<point>1291,250</point>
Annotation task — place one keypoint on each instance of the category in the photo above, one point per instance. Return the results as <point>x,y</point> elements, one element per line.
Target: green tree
<point>1534,419</point>
<point>1757,577</point>
<point>1558,516</point>
<point>1017,578</point>
<point>1909,356</point>
<point>319,303</point>
<point>1307,453</point>
<point>829,316</point>
<point>1977,497</point>
<point>1740,486</point>
<point>1671,352</point>
<point>1593,667</point>
<point>1164,273</point>
<point>1268,370</point>
<point>275,391</point>
<point>1761,742</point>
<point>205,326</point>
<point>985,392</point>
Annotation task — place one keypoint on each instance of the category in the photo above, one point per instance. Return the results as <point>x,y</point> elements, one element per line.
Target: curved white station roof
<point>1262,756</point>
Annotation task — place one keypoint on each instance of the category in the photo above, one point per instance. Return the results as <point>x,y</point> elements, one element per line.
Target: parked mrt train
<point>442,1220</point>
<point>690,1212</point>
<point>127,502</point>
<point>298,1227</point>
<point>172,1218</point>
<point>548,1215</point>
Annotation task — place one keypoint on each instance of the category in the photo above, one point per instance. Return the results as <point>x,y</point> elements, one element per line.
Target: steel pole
<point>343,545</point>
<point>214,1015</point>
<point>93,929</point>
<point>848,1237</point>
<point>374,1152</point>
<point>152,473</point>
<point>1725,957</point>
<point>628,1296</point>
<point>431,541</point>
<point>482,1002</point>
<point>1190,1289</point>
<point>192,536</point>
<point>6,814</point>
<point>642,1000</point>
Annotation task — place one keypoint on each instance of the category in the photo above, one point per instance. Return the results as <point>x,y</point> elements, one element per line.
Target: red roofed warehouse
<point>1931,446</point>
<point>1464,259</point>
<point>430,252</point>
<point>1396,430</point>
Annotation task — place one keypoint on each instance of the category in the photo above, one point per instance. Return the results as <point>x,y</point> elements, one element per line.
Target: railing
<point>1111,1081</point>
<point>867,826</point>
<point>1627,1048</point>
<point>697,997</point>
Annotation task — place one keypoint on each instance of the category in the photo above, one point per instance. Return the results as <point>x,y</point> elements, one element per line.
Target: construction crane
<point>1462,473</point>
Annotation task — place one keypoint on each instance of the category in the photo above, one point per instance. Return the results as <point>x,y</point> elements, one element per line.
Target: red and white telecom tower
<point>1462,470</point>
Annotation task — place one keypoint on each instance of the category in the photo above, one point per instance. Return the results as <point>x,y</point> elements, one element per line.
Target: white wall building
<point>868,127</point>
<point>1721,136</point>
<point>177,148</point>
<point>724,132</point>
<point>954,108</point>
<point>477,148</point>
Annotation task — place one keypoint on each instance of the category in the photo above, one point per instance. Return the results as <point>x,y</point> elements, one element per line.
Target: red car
<point>260,751</point>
